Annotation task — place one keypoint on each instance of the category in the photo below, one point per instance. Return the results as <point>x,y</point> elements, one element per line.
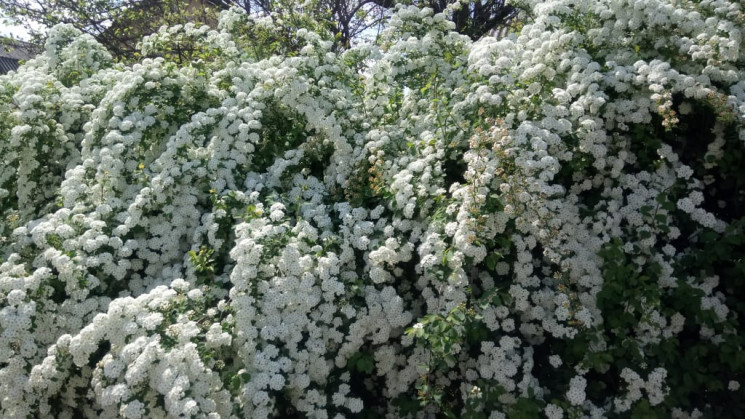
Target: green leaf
<point>492,260</point>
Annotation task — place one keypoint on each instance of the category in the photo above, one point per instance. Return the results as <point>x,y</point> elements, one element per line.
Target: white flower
<point>133,410</point>
<point>180,284</point>
<point>553,411</point>
<point>194,294</point>
<point>576,392</point>
<point>15,297</point>
<point>555,361</point>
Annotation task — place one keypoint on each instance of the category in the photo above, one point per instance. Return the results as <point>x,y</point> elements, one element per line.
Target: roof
<point>12,51</point>
<point>7,65</point>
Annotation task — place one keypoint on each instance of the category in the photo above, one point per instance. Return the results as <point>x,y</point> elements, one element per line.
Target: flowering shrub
<point>549,224</point>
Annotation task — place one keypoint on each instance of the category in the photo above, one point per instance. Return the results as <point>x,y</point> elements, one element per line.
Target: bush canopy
<point>544,225</point>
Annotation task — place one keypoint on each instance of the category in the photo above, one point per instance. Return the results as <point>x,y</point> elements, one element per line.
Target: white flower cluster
<point>654,387</point>
<point>323,232</point>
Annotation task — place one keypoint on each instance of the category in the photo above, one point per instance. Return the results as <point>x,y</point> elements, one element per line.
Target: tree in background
<point>119,25</point>
<point>472,18</point>
<point>352,17</point>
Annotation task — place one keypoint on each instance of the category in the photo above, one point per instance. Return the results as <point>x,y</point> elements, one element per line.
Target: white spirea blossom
<point>576,392</point>
<point>291,229</point>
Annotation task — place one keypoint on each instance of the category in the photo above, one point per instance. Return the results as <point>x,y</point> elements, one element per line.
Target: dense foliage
<point>549,224</point>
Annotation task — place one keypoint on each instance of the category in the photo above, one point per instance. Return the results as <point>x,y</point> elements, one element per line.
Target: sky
<point>14,31</point>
